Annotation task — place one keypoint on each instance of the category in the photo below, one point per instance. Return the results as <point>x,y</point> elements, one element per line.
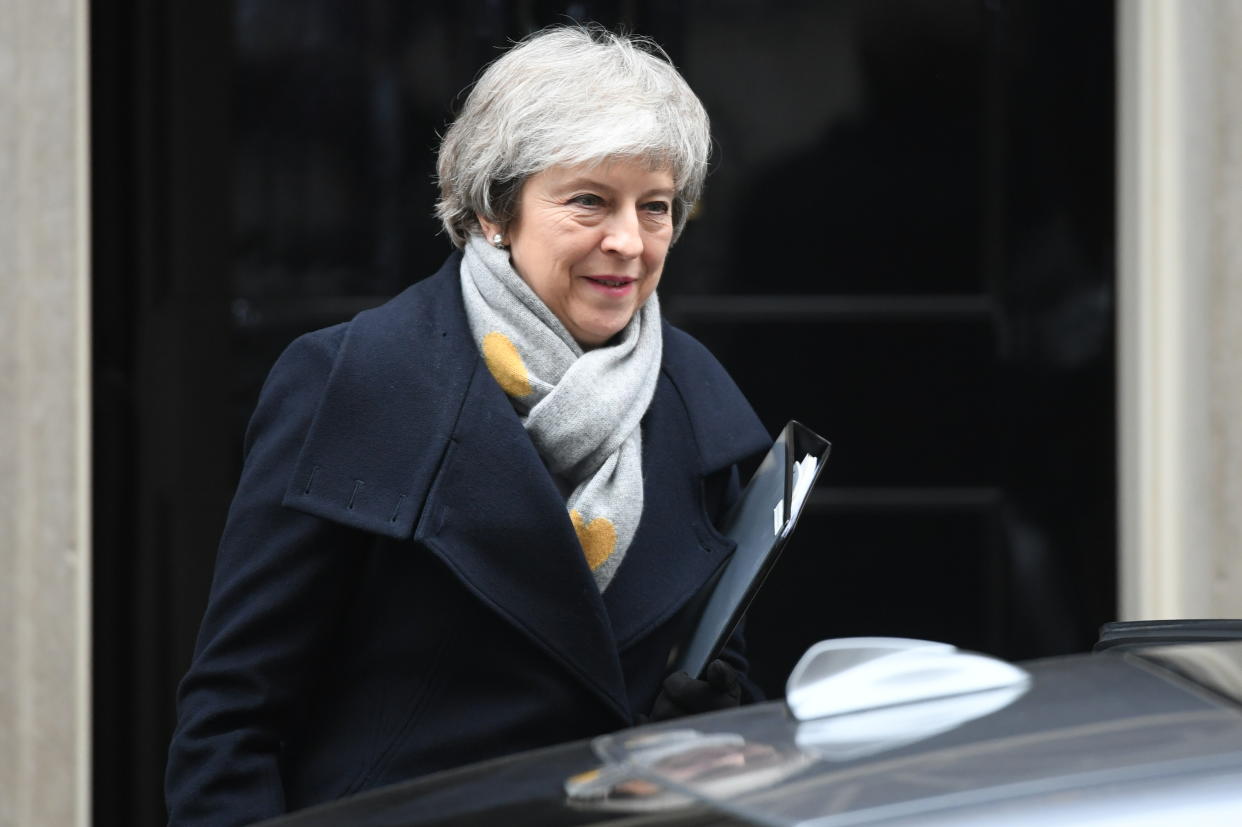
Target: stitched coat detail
<point>399,589</point>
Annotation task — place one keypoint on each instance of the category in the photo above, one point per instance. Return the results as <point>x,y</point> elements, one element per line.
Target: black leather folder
<point>760,523</point>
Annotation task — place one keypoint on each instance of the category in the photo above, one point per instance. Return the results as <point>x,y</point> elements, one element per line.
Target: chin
<point>588,341</point>
<point>595,333</point>
<point>604,334</point>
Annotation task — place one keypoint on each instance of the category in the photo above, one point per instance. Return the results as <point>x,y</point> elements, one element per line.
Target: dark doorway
<point>906,242</point>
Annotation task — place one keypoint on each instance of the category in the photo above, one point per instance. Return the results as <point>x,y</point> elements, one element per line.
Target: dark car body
<point>1144,735</point>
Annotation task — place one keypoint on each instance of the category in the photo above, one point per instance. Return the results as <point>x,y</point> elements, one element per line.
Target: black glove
<point>684,695</point>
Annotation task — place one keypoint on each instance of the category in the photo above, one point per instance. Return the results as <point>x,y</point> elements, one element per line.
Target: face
<point>591,241</point>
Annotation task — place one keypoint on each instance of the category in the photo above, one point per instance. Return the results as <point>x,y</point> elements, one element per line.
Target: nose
<point>623,234</point>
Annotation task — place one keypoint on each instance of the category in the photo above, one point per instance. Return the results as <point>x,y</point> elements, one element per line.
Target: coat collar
<point>413,438</point>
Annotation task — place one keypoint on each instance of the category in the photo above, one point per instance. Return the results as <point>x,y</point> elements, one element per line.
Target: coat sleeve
<point>281,580</point>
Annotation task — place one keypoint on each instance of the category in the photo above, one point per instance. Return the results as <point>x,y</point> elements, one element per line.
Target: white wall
<point>44,415</point>
<point>1180,317</point>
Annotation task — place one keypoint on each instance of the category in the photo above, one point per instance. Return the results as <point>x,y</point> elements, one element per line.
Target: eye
<point>587,199</point>
<point>658,207</point>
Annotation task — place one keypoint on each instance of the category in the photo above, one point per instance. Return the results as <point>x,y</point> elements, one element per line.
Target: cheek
<point>649,287</point>
<point>656,258</point>
<point>561,255</point>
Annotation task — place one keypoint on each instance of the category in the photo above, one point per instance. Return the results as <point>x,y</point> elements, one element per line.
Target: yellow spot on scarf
<point>598,538</point>
<point>506,364</point>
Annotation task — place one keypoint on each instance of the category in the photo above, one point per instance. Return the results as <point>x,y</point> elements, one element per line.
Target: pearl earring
<point>498,240</point>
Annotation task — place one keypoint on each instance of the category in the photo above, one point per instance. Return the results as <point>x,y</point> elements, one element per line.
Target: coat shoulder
<point>293,386</point>
<point>376,338</point>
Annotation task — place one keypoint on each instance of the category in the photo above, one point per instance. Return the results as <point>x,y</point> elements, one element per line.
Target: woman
<point>468,519</point>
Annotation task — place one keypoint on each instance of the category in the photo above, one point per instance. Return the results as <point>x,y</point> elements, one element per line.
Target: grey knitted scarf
<point>581,409</point>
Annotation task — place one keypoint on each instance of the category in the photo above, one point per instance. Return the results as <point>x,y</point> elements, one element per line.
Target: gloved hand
<point>684,695</point>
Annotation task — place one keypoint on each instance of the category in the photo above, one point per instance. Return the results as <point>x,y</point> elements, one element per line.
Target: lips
<point>611,281</point>
<point>613,287</point>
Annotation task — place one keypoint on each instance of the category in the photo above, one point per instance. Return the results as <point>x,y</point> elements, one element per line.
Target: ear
<point>489,229</point>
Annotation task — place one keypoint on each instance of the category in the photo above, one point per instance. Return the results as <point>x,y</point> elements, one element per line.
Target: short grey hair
<point>569,95</point>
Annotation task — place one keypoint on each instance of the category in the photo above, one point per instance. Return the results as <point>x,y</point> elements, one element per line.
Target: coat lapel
<point>495,517</point>
<point>674,552</point>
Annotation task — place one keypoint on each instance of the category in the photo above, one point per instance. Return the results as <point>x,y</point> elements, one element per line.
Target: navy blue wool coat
<point>399,588</point>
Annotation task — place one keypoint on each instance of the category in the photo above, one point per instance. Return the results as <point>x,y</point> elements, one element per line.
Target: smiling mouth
<point>610,282</point>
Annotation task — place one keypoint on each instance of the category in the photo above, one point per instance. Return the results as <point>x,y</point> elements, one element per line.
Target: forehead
<point>620,174</point>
